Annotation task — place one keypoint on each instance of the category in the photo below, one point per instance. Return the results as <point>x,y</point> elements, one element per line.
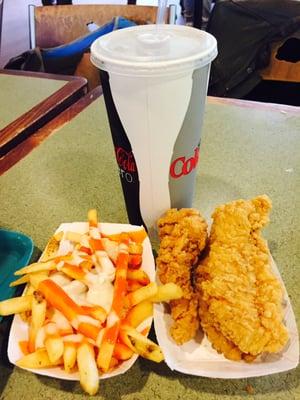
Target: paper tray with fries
<point>19,328</point>
<point>197,357</point>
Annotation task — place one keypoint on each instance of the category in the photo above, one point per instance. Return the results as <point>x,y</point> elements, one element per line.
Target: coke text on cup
<point>183,166</point>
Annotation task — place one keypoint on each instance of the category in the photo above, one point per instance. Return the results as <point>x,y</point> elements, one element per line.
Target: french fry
<point>86,250</point>
<point>16,305</point>
<point>96,312</point>
<point>113,320</point>
<point>86,264</point>
<point>113,363</point>
<point>146,331</point>
<point>74,236</point>
<point>69,356</point>
<point>138,275</point>
<point>36,278</point>
<point>63,325</point>
<point>136,236</point>
<point>37,267</point>
<point>124,238</point>
<point>100,339</point>
<point>40,338</point>
<point>73,272</point>
<point>139,313</point>
<point>20,281</point>
<point>51,329</point>
<point>133,285</point>
<point>58,299</point>
<point>88,371</point>
<point>88,330</point>
<point>135,261</point>
<point>38,359</point>
<point>23,344</point>
<point>75,338</point>
<point>167,292</point>
<point>28,291</point>
<point>122,352</point>
<point>111,247</point>
<point>96,244</point>
<point>123,338</point>
<point>67,257</point>
<point>51,247</point>
<point>107,346</point>
<point>55,348</point>
<point>38,315</point>
<point>93,218</point>
<point>142,345</point>
<point>58,236</point>
<point>142,294</point>
<point>135,248</point>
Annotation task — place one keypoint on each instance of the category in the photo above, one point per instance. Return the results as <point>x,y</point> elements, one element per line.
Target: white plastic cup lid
<point>147,50</point>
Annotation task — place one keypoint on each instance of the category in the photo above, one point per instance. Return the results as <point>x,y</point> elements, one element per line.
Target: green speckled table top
<point>19,94</point>
<point>245,151</point>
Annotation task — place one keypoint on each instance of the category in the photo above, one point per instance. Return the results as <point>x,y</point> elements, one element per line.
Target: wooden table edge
<point>24,148</point>
<point>41,113</point>
<point>284,108</point>
<point>57,77</point>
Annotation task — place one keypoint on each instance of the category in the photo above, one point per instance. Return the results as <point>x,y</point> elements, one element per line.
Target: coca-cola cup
<point>154,82</point>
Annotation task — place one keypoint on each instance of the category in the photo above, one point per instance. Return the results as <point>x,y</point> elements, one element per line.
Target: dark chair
<point>52,26</point>
<point>248,47</point>
<point>56,25</point>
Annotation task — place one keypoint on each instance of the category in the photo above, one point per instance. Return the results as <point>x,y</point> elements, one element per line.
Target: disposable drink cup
<point>154,83</point>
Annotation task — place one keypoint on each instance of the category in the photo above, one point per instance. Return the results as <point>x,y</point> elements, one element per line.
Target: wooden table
<point>29,100</point>
<point>68,166</point>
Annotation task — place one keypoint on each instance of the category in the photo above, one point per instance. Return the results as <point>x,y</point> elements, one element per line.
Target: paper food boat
<point>19,329</point>
<point>197,357</point>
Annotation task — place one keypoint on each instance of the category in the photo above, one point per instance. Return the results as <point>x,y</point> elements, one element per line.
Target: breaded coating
<point>183,234</point>
<point>241,298</point>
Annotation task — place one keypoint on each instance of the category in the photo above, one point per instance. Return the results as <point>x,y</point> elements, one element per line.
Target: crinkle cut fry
<point>183,235</point>
<point>241,297</point>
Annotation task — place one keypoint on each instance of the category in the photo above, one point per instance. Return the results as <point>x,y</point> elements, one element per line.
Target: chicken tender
<point>183,234</point>
<point>241,298</point>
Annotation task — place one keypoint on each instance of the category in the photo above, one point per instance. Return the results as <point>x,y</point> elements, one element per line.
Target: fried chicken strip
<point>183,234</point>
<point>241,299</point>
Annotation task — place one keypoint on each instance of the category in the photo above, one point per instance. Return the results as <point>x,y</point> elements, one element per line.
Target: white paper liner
<point>19,328</point>
<point>197,357</point>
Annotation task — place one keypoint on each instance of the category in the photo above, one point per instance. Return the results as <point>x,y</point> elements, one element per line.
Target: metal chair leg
<point>32,43</point>
<point>198,6</point>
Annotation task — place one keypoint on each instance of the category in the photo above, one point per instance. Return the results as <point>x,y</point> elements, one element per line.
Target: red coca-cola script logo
<point>183,166</point>
<point>125,160</point>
